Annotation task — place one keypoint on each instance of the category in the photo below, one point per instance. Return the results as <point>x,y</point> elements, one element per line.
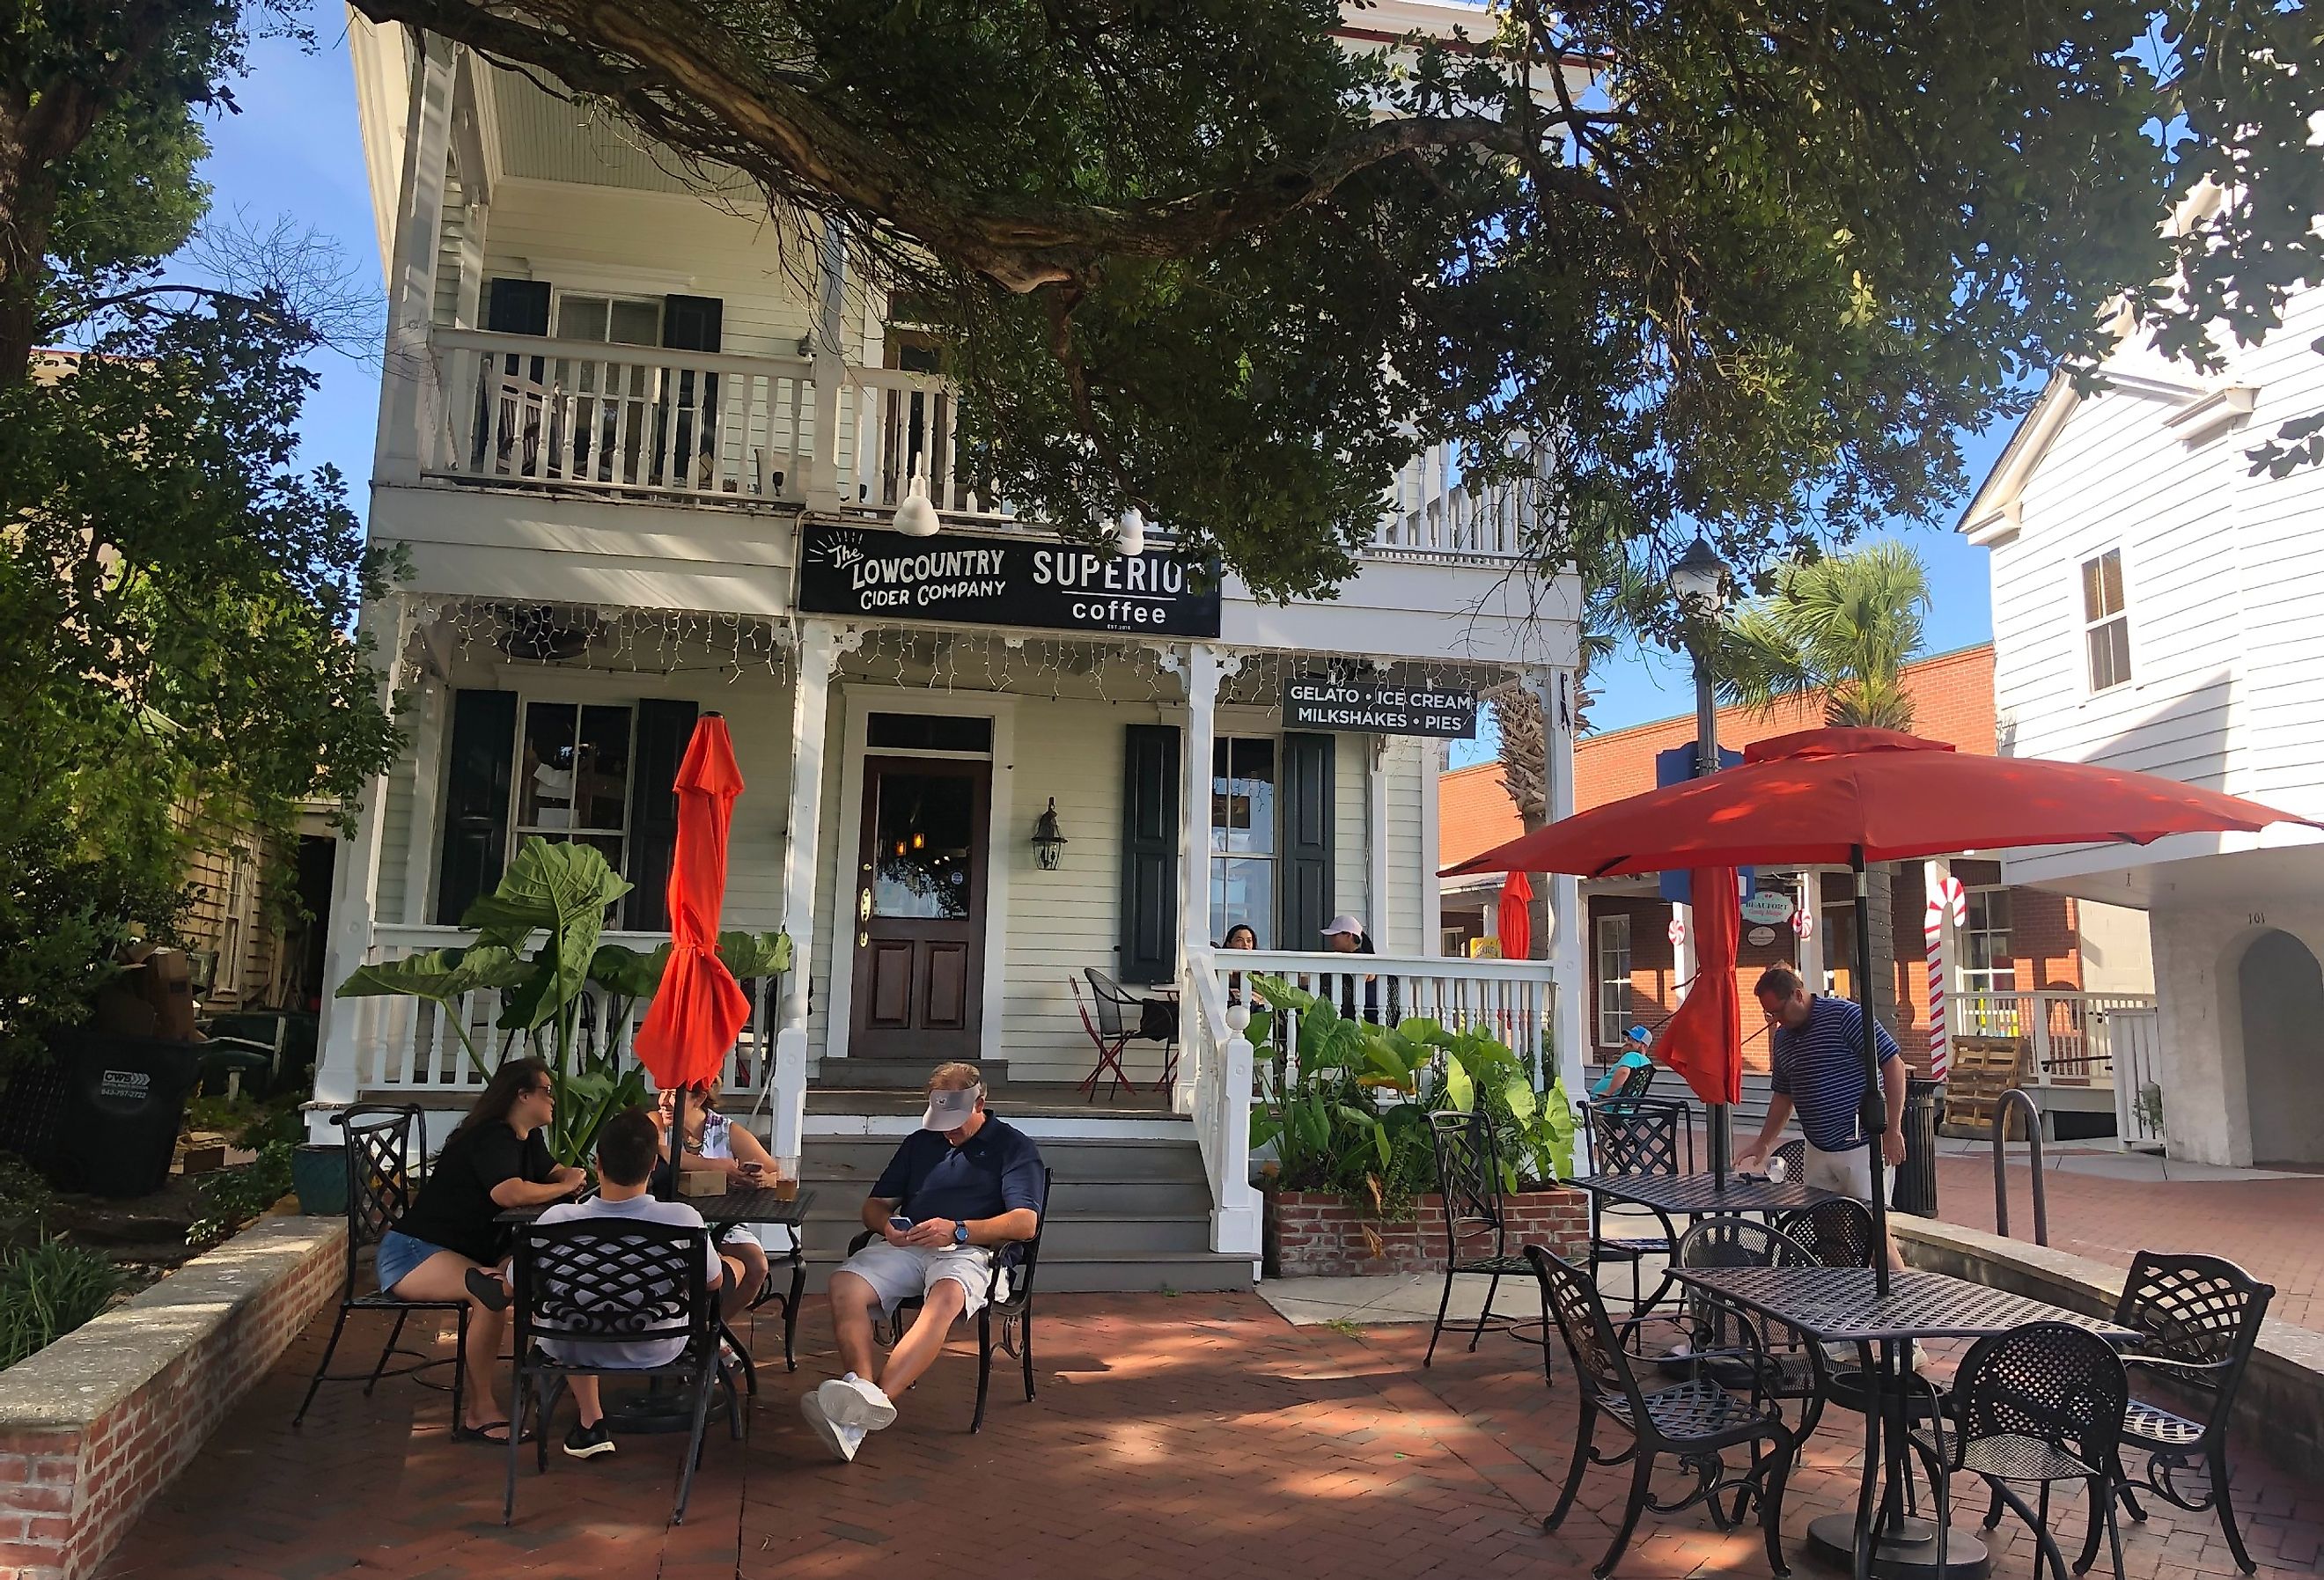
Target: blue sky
<point>295,148</point>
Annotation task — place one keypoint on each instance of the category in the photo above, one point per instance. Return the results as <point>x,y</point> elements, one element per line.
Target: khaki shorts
<point>1847,1173</point>
<point>898,1273</point>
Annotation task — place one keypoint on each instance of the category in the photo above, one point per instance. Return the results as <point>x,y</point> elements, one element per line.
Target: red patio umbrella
<point>1837,797</point>
<point>1704,1040</point>
<point>699,1008</point>
<point>1514,918</point>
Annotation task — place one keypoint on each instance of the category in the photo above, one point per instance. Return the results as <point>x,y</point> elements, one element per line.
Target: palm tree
<point>1843,629</point>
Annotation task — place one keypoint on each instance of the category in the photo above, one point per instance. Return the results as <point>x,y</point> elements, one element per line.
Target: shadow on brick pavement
<point>1194,1434</point>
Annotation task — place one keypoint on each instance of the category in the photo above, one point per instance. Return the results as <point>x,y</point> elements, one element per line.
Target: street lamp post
<point>1698,580</point>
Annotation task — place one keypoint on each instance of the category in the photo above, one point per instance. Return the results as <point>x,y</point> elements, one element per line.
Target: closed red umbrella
<point>1833,797</point>
<point>699,1008</point>
<point>1704,1040</point>
<point>1514,920</point>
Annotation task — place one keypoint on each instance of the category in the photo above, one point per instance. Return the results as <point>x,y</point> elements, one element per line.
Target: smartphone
<point>752,1170</point>
<point>901,1225</point>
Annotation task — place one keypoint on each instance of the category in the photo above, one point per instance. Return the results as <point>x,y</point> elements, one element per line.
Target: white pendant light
<point>1129,532</point>
<point>916,516</point>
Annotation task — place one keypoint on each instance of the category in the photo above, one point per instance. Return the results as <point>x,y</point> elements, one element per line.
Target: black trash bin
<point>102,1115</point>
<point>1916,1181</point>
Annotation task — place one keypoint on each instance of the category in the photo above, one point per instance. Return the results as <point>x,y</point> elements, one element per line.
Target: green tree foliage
<point>1842,629</point>
<point>1754,268</point>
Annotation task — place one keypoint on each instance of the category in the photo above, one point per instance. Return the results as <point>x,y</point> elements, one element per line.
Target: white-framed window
<point>1989,969</point>
<point>1613,979</point>
<point>573,774</point>
<point>617,320</point>
<point>1243,769</point>
<point>2106,624</point>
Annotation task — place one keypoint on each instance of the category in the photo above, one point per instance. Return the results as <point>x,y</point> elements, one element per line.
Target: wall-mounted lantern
<point>1048,841</point>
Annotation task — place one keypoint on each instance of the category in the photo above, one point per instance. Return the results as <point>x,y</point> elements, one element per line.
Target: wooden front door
<point>918,908</point>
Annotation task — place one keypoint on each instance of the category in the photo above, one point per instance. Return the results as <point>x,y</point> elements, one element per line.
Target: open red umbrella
<point>1514,918</point>
<point>699,1008</point>
<point>1834,797</point>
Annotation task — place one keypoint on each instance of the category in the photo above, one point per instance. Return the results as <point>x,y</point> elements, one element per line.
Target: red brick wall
<point>1311,1234</point>
<point>70,1489</point>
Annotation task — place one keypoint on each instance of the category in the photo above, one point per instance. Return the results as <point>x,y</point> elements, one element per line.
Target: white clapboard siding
<point>395,832</point>
<point>1350,863</point>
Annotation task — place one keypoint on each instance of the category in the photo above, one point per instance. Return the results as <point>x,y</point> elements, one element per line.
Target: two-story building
<point>646,453</point>
<point>2159,604</point>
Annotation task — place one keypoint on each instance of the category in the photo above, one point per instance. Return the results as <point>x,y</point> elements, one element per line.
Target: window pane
<point>2110,580</point>
<point>545,769</point>
<point>601,782</point>
<point>1243,801</point>
<point>928,732</point>
<point>608,845</point>
<point>581,317</point>
<point>1243,889</point>
<point>636,323</point>
<point>925,846</point>
<point>2109,647</point>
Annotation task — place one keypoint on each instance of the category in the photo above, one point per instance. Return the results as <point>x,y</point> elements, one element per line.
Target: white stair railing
<point>1217,1099</point>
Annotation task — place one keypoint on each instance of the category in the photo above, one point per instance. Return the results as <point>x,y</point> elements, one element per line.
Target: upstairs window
<point>616,320</point>
<point>2105,627</point>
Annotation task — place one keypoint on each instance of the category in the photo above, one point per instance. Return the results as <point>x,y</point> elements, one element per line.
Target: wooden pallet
<point>1983,1068</point>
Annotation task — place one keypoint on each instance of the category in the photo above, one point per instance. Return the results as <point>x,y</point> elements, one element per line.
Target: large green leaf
<point>620,969</point>
<point>564,888</point>
<point>749,955</point>
<point>440,975</point>
<point>1459,1087</point>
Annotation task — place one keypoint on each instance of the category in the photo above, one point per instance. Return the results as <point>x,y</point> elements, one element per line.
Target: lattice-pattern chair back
<point>1793,1154</point>
<point>1839,1232</point>
<point>607,1279</point>
<point>383,1149</point>
<point>1469,1173</point>
<point>1635,1140</point>
<point>2047,1380</point>
<point>1637,1084</point>
<point>2202,1309</point>
<point>1581,1317</point>
<point>1730,1242</point>
<point>1108,1000</point>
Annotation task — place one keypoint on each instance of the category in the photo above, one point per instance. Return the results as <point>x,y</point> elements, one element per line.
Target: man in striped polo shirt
<point>1818,1045</point>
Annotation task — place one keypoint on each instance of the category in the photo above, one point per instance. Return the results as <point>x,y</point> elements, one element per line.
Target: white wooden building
<point>2156,606</point>
<point>643,449</point>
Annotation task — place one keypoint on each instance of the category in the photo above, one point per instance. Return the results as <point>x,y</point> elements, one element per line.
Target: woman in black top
<point>496,1159</point>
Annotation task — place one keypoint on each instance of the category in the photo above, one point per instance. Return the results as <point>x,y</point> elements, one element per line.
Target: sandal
<point>483,1435</point>
<point>485,1285</point>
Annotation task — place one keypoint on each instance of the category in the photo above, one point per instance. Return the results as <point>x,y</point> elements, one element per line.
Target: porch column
<point>1375,906</point>
<point>1811,944</point>
<point>822,483</point>
<point>1201,676</point>
<point>817,657</point>
<point>1566,946</point>
<point>1432,888</point>
<point>431,700</point>
<point>407,407</point>
<point>344,1024</point>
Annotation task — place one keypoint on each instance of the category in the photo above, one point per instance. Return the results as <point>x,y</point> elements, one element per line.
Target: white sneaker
<point>843,1441</point>
<point>856,1403</point>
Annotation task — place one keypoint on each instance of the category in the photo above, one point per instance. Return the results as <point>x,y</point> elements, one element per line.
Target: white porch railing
<point>1431,512</point>
<point>901,422</point>
<point>1218,1098</point>
<point>640,420</point>
<point>1514,1000</point>
<point>2071,1039</point>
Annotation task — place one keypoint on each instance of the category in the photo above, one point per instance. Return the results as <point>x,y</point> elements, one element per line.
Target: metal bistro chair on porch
<point>1114,1018</point>
<point>1693,1422</point>
<point>386,1147</point>
<point>1476,1220</point>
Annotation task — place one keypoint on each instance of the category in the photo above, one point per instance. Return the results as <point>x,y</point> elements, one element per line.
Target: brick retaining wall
<point>1312,1235</point>
<point>96,1424</point>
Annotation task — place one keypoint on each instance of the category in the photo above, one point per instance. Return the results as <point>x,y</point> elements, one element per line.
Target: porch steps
<point>1131,1213</point>
<point>905,1075</point>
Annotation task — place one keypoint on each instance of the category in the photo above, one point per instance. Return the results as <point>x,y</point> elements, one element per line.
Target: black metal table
<point>657,1410</point>
<point>1843,1306</point>
<point>1700,1195</point>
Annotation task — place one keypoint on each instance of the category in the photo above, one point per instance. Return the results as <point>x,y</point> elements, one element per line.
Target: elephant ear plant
<point>1339,1101</point>
<point>557,893</point>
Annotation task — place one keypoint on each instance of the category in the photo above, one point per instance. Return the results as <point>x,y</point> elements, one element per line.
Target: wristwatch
<point>960,1232</point>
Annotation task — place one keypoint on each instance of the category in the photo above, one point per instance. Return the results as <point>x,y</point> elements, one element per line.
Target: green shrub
<point>232,1197</point>
<point>47,1290</point>
<point>24,1200</point>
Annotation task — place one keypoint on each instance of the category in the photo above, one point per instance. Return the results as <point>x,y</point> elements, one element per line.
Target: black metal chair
<point>2039,1404</point>
<point>1694,1422</point>
<point>612,1280</point>
<point>1793,1156</point>
<point>1469,1176</point>
<point>2201,1315</point>
<point>1017,1262</point>
<point>788,1298</point>
<point>1635,1138</point>
<point>1839,1232</point>
<point>1114,1018</point>
<point>385,1152</point>
<point>1789,1366</point>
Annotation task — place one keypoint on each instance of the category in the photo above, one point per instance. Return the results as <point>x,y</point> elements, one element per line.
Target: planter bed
<point>1314,1234</point>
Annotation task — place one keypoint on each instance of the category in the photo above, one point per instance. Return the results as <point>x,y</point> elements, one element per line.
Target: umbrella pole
<point>1722,1145</point>
<point>677,1142</point>
<point>1876,1111</point>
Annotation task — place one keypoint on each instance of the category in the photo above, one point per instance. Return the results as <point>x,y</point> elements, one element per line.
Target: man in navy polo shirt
<point>962,1184</point>
<point>1817,1042</point>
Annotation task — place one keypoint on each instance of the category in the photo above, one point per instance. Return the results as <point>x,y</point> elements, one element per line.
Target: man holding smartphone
<point>962,1184</point>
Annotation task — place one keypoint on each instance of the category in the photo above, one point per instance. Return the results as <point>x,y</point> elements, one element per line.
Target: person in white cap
<point>1345,935</point>
<point>960,1185</point>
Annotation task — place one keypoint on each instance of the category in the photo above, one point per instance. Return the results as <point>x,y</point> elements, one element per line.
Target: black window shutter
<point>692,323</point>
<point>475,800</point>
<point>518,306</point>
<point>1149,853</point>
<point>664,727</point>
<point>1306,861</point>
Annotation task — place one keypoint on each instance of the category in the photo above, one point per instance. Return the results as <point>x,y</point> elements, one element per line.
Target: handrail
<point>1221,1098</point>
<point>499,342</point>
<point>2018,1097</point>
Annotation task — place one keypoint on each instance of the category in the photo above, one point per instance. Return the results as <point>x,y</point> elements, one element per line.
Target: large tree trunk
<point>27,199</point>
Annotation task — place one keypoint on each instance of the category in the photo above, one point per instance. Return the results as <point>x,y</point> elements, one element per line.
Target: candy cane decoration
<point>1945,894</point>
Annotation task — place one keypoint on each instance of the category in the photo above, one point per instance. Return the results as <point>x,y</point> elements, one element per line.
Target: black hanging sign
<point>1379,708</point>
<point>871,574</point>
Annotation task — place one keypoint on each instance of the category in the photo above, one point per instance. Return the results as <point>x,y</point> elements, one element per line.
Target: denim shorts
<point>398,1253</point>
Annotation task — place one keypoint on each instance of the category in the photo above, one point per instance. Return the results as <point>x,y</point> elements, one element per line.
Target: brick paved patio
<point>1195,1435</point>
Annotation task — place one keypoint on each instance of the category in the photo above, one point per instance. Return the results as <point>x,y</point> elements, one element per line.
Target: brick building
<point>2016,940</point>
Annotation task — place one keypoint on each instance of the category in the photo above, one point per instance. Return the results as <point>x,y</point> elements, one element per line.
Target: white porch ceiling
<point>543,138</point>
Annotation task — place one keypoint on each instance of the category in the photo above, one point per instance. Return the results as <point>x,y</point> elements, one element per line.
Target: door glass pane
<point>1242,891</point>
<point>601,782</point>
<point>636,323</point>
<point>923,846</point>
<point>545,769</point>
<point>581,317</point>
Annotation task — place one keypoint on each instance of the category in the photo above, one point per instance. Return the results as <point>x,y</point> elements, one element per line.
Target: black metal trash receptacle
<point>102,1115</point>
<point>1916,1181</point>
